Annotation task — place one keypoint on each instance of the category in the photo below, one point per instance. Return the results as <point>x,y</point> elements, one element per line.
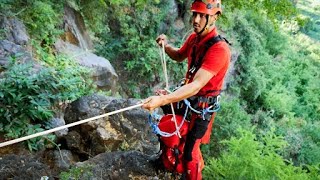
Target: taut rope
<point>66,126</point>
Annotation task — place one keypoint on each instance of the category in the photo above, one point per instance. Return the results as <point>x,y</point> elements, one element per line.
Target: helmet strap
<point>205,26</point>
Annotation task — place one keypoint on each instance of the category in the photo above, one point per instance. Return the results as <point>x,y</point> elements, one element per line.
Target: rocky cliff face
<point>120,146</point>
<point>115,147</point>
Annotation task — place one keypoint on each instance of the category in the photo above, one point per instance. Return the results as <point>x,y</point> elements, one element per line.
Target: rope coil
<point>164,67</point>
<point>156,129</point>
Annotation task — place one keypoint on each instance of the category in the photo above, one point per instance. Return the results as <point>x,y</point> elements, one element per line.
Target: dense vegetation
<point>269,125</point>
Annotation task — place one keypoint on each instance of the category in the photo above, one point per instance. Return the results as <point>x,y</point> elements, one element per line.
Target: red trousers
<point>194,167</point>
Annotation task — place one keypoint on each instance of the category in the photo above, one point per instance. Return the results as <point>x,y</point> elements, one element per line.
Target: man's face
<point>199,21</point>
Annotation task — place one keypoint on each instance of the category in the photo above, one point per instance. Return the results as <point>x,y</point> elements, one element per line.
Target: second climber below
<point>207,68</point>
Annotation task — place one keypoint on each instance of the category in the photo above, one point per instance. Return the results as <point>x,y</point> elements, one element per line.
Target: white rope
<point>66,126</point>
<point>164,67</point>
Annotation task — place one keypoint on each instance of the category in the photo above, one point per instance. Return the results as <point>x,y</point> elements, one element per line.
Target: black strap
<point>207,20</point>
<point>176,155</point>
<point>196,64</point>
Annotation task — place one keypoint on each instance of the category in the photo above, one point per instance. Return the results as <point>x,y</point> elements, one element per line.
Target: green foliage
<point>231,117</point>
<point>272,79</point>
<point>130,44</point>
<point>5,7</point>
<point>278,84</point>
<point>77,173</point>
<point>274,9</point>
<point>310,148</point>
<point>304,22</point>
<point>29,96</point>
<point>247,158</point>
<point>253,58</point>
<point>263,122</point>
<point>94,20</point>
<point>280,100</point>
<point>308,19</point>
<point>42,18</point>
<point>38,143</point>
<point>306,68</point>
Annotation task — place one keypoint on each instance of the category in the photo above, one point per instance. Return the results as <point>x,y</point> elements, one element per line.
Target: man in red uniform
<point>205,81</point>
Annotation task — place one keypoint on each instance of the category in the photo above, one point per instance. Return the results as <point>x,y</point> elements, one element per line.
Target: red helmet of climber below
<point>209,7</point>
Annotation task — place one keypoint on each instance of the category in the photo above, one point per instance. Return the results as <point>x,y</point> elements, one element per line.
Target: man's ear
<point>213,19</point>
<point>216,16</point>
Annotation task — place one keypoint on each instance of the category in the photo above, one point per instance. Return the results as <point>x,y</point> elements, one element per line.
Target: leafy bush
<point>29,96</point>
<point>247,158</point>
<point>77,173</point>
<point>251,80</point>
<point>263,122</point>
<point>42,18</point>
<point>310,149</point>
<point>280,101</point>
<point>231,117</point>
<point>274,10</point>
<point>130,45</point>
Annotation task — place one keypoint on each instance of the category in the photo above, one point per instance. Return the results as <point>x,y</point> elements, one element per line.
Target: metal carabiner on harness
<point>192,69</point>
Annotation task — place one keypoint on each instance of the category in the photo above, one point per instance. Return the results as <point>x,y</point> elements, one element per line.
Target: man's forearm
<point>184,92</point>
<point>201,78</point>
<point>173,53</point>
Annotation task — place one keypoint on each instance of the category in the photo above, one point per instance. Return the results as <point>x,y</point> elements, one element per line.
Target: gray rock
<point>57,122</point>
<point>14,166</point>
<point>120,165</point>
<point>103,73</point>
<point>10,52</point>
<point>123,131</point>
<point>63,159</point>
<point>15,31</point>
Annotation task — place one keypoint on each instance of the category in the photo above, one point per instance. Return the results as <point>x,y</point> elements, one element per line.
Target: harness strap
<point>215,107</point>
<point>196,64</point>
<point>176,156</point>
<point>156,130</point>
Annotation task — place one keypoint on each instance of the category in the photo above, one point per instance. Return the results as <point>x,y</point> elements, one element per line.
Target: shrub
<point>310,149</point>
<point>231,117</point>
<point>77,173</point>
<point>28,96</point>
<point>247,158</point>
<point>42,19</point>
<point>130,45</point>
<point>280,101</point>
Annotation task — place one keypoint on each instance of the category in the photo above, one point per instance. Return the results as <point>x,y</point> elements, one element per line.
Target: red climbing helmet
<point>210,7</point>
<point>167,124</point>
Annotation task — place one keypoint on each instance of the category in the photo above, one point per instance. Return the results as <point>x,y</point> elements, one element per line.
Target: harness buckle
<point>214,102</point>
<point>192,69</point>
<point>217,102</point>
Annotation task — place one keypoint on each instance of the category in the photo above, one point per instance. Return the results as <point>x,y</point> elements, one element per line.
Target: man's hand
<point>153,102</point>
<point>162,40</point>
<point>160,92</point>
